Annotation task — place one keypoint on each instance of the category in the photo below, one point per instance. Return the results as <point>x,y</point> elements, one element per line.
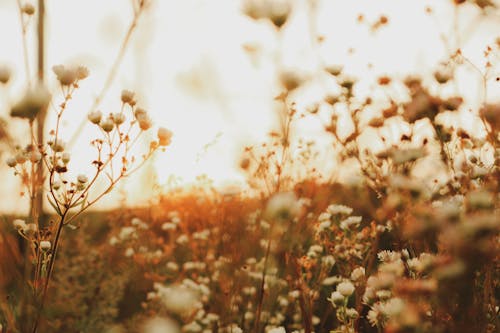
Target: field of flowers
<point>408,244</point>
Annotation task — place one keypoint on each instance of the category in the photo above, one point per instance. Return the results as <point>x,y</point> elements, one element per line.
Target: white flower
<point>336,298</point>
<point>172,266</point>
<point>119,118</point>
<point>11,162</point>
<point>129,252</point>
<point>352,313</point>
<point>82,179</point>
<point>65,76</point>
<point>339,209</point>
<point>346,288</point>
<point>127,97</point>
<point>107,124</point>
<point>127,233</point>
<point>58,146</point>
<point>164,136</point>
<point>95,116</point>
<point>65,157</point>
<point>178,299</point>
<point>357,273</point>
<point>168,226</point>
<point>35,156</point>
<point>19,224</point>
<point>142,117</point>
<point>351,221</point>
<point>280,329</point>
<point>160,325</point>
<point>282,206</point>
<point>30,229</point>
<point>45,245</point>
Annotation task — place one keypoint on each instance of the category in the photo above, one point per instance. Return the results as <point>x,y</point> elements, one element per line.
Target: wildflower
<point>143,118</point>
<point>336,298</point>
<point>56,185</point>
<point>11,162</point>
<point>107,125</point>
<point>192,327</point>
<point>351,221</point>
<point>277,11</point>
<point>339,209</point>
<point>5,74</point>
<point>33,101</point>
<point>172,266</point>
<point>127,97</point>
<point>58,146</point>
<point>443,75</point>
<point>168,226</point>
<point>82,72</point>
<point>65,157</point>
<point>346,288</point>
<point>95,116</point>
<point>35,156</point>
<point>129,252</point>
<point>30,229</point>
<point>118,118</point>
<point>291,79</point>
<point>82,179</point>
<point>178,299</point>
<point>334,69</point>
<point>351,313</point>
<point>45,245</point>
<point>164,136</point>
<point>28,9</point>
<point>160,325</point>
<point>19,224</point>
<point>357,273</point>
<point>282,206</point>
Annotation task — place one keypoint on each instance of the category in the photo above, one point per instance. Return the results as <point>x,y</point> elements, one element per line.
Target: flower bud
<point>65,157</point>
<point>45,245</point>
<point>19,224</point>
<point>346,288</point>
<point>128,97</point>
<point>82,179</point>
<point>107,125</point>
<point>337,298</point>
<point>20,157</point>
<point>56,185</point>
<point>31,229</point>
<point>35,156</point>
<point>82,72</point>
<point>143,118</point>
<point>28,9</point>
<point>164,136</point>
<point>118,118</point>
<point>11,162</point>
<point>95,117</point>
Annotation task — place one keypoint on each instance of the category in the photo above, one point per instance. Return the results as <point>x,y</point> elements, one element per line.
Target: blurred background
<point>208,72</point>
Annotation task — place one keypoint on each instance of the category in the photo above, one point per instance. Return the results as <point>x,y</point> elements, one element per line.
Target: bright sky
<point>188,65</point>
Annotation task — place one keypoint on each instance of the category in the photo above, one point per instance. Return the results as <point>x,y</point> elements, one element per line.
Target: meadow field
<point>369,205</point>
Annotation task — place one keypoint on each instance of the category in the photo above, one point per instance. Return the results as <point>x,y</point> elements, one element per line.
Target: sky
<point>188,61</point>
